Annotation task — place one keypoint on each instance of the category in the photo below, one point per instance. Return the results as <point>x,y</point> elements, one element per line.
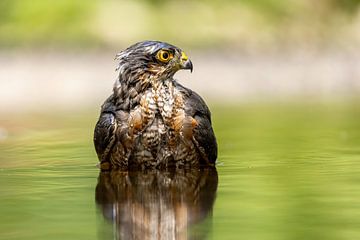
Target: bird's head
<point>151,61</point>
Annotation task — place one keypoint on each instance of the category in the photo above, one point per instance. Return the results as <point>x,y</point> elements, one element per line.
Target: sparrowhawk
<point>151,120</point>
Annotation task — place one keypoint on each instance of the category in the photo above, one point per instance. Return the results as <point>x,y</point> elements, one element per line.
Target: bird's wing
<point>203,134</point>
<point>104,133</point>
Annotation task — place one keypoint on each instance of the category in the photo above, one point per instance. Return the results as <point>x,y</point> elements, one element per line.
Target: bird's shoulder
<point>114,104</point>
<point>204,137</point>
<point>109,106</point>
<point>194,103</point>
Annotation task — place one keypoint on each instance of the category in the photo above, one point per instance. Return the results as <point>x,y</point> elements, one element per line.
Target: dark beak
<point>187,65</point>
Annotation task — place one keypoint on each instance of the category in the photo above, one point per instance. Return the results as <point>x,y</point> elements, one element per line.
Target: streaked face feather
<point>140,62</point>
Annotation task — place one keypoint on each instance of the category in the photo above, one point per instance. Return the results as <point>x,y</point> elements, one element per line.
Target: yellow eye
<point>164,55</point>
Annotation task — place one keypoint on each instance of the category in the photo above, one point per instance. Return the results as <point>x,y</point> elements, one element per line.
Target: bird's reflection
<point>156,204</point>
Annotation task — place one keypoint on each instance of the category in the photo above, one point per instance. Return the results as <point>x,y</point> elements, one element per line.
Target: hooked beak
<point>185,62</point>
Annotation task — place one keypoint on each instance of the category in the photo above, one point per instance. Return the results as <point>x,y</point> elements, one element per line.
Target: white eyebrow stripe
<point>150,48</point>
<point>121,55</point>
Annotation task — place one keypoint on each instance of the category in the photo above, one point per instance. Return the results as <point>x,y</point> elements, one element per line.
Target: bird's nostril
<point>184,57</point>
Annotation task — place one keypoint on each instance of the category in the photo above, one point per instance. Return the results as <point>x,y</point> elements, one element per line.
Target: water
<point>284,172</point>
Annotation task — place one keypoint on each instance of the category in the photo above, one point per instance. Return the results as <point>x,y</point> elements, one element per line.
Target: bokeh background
<point>281,77</point>
<point>60,53</point>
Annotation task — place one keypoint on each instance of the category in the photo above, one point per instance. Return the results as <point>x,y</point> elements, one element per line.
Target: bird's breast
<point>161,111</point>
<point>159,127</point>
<point>170,105</point>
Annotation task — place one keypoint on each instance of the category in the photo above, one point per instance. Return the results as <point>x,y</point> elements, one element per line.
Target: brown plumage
<point>150,120</point>
<point>156,204</point>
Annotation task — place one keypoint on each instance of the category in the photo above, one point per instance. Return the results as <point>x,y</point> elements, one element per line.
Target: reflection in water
<point>156,204</point>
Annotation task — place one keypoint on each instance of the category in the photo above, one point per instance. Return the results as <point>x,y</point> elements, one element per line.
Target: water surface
<point>284,172</point>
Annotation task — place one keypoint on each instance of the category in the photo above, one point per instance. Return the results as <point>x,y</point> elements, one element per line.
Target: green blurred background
<point>241,24</point>
<point>282,79</point>
<point>242,50</point>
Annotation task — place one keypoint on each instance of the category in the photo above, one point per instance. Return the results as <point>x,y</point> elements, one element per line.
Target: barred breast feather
<point>169,127</point>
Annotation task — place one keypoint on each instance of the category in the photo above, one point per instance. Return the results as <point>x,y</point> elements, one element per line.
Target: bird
<point>151,121</point>
<point>157,203</point>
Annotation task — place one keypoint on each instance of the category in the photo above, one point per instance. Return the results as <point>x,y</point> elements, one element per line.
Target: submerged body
<point>150,120</point>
